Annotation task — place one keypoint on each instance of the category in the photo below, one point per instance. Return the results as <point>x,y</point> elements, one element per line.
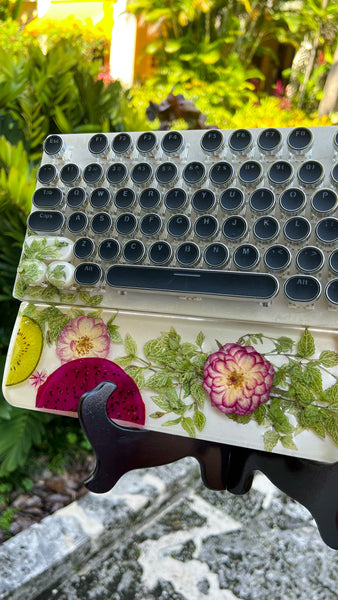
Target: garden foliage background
<point>53,81</point>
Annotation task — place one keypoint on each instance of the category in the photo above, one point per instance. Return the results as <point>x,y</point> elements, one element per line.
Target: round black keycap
<point>122,144</point>
<point>84,248</point>
<point>45,221</point>
<point>47,174</point>
<point>175,199</point>
<point>53,145</point>
<point>280,173</point>
<point>262,200</point>
<point>277,258</point>
<point>109,249</point>
<point>203,200</point>
<point>240,140</point>
<point>334,174</point>
<point>178,225</point>
<point>269,140</point>
<point>101,223</point>
<point>70,174</point>
<point>149,198</point>
<point>88,274</point>
<point>299,139</point>
<point>99,197</point>
<point>75,197</point>
<point>194,173</point>
<point>206,226</point>
<point>142,173</point>
<point>246,257</point>
<point>335,139</point>
<point>47,197</point>
<point>133,251</point>
<point>212,141</point>
<point>166,173</point>
<point>221,173</point>
<point>250,172</point>
<point>188,254</point>
<point>93,173</point>
<point>146,143</point>
<point>216,255</point>
<point>77,222</point>
<point>98,144</point>
<point>232,199</point>
<point>292,201</point>
<point>150,224</point>
<point>117,173</point>
<point>310,259</point>
<point>331,291</point>
<point>126,224</point>
<point>172,142</point>
<point>333,261</point>
<point>160,253</point>
<point>311,172</point>
<point>266,229</point>
<point>297,229</point>
<point>324,202</point>
<point>302,288</point>
<point>327,230</point>
<point>235,228</point>
<point>124,198</point>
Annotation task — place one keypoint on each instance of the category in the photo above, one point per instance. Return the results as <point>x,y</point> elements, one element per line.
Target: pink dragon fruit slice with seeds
<point>64,387</point>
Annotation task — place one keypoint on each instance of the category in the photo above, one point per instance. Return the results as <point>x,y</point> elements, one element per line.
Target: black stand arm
<point>121,449</point>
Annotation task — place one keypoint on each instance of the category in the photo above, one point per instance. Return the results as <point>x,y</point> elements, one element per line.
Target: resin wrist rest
<point>250,385</point>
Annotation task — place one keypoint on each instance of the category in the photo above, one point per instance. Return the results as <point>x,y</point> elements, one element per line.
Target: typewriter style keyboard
<point>210,217</point>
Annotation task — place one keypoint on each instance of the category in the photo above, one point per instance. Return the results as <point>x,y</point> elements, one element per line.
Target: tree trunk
<point>329,102</point>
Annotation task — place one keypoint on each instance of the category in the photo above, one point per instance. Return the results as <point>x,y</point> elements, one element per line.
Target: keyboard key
<point>232,200</point>
<point>142,174</point>
<point>172,143</point>
<point>266,229</point>
<point>47,174</point>
<point>194,173</point>
<point>126,224</point>
<point>297,229</point>
<point>109,249</point>
<point>216,255</point>
<point>277,258</point>
<point>60,274</point>
<point>88,274</point>
<point>175,199</point>
<point>151,224</point>
<point>310,259</point>
<point>149,198</point>
<point>311,173</point>
<point>221,174</point>
<point>292,201</point>
<point>84,248</point>
<point>333,261</point>
<point>206,226</point>
<point>255,286</point>
<point>99,198</point>
<point>280,173</point>
<point>147,143</point>
<point>188,254</point>
<point>240,141</point>
<point>324,202</point>
<point>46,197</point>
<point>124,198</point>
<point>203,200</point>
<point>166,174</point>
<point>122,144</point>
<point>93,174</point>
<point>54,146</point>
<point>300,140</point>
<point>98,145</point>
<point>70,174</point>
<point>250,172</point>
<point>160,253</point>
<point>134,251</point>
<point>101,223</point>
<point>76,197</point>
<point>327,230</point>
<point>269,141</point>
<point>117,174</point>
<point>77,222</point>
<point>262,200</point>
<point>302,288</point>
<point>246,257</point>
<point>212,142</point>
<point>45,221</point>
<point>331,292</point>
<point>334,174</point>
<point>235,228</point>
<point>178,226</point>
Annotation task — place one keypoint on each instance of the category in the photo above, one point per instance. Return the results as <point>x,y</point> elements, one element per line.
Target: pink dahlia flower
<point>237,379</point>
<point>81,338</point>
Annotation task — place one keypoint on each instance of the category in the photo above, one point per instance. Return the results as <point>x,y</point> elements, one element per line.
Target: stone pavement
<point>161,535</point>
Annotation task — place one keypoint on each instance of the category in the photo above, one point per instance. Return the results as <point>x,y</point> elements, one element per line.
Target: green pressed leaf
<point>172,422</point>
<point>176,405</point>
<point>124,361</point>
<point>188,426</point>
<point>130,345</point>
<point>113,331</point>
<point>174,339</point>
<point>188,350</point>
<point>95,300</point>
<point>303,393</point>
<point>20,288</point>
<point>154,349</point>
<point>288,442</point>
<point>271,439</point>
<point>278,417</point>
<point>162,402</point>
<point>330,423</point>
<point>157,415</point>
<point>199,360</point>
<point>284,344</point>
<point>259,414</point>
<point>198,393</point>
<point>280,376</point>
<point>306,345</point>
<point>158,381</point>
<point>312,377</point>
<point>330,395</point>
<point>329,358</point>
<point>199,420</point>
<point>200,339</point>
<point>136,373</point>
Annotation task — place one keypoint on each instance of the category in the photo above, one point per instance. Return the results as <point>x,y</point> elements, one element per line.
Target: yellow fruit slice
<point>26,351</point>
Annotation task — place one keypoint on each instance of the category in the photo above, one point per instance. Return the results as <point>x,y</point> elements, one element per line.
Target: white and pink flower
<point>237,378</point>
<point>37,378</point>
<point>83,337</point>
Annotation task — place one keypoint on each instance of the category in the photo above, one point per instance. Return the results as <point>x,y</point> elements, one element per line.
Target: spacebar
<point>257,286</point>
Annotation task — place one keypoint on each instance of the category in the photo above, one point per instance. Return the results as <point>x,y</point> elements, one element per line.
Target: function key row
<point>310,174</point>
<point>212,142</point>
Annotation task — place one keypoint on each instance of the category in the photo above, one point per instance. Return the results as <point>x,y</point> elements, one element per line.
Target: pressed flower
<point>237,379</point>
<point>38,378</point>
<point>83,337</point>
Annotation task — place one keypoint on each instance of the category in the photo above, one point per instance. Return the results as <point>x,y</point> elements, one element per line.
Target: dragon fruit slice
<point>64,387</point>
